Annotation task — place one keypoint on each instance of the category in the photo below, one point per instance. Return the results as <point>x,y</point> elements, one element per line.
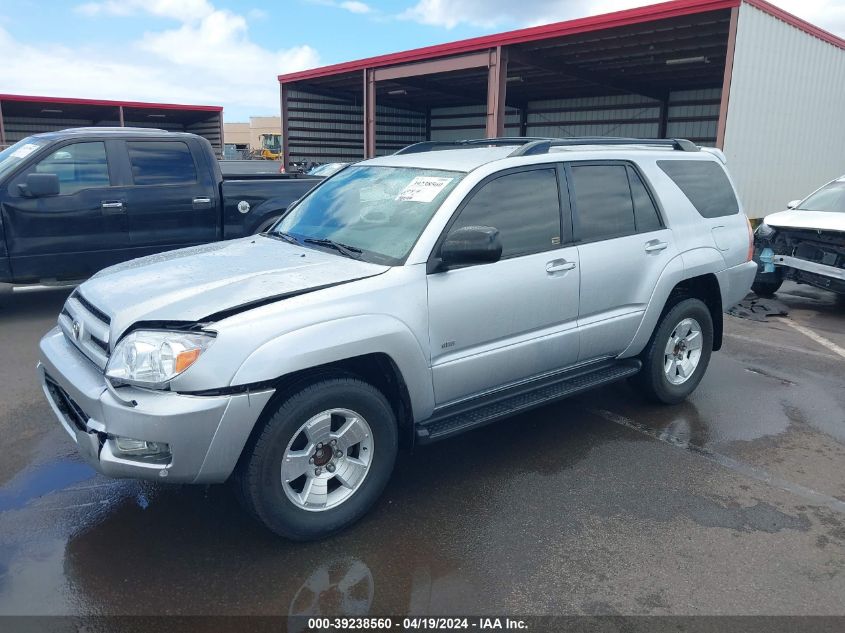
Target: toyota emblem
<point>77,330</point>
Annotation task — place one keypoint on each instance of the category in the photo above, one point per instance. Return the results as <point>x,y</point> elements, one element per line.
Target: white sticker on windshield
<point>423,189</point>
<point>25,150</point>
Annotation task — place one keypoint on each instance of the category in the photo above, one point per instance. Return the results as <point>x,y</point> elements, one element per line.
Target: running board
<point>480,411</point>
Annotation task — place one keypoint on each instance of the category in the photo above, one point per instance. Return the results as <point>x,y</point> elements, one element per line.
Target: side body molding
<point>340,339</point>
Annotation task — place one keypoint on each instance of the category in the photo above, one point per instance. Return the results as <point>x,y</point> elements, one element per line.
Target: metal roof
<point>107,102</point>
<point>661,11</point>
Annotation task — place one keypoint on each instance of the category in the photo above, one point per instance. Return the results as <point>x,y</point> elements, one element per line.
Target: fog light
<point>141,448</point>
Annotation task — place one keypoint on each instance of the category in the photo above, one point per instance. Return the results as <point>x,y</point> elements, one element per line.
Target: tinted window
<point>645,213</point>
<point>705,184</point>
<point>524,206</point>
<point>161,162</point>
<point>602,201</point>
<point>78,166</point>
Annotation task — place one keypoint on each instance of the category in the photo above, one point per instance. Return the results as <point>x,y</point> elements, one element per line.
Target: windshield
<point>12,156</point>
<point>378,212</point>
<point>831,197</point>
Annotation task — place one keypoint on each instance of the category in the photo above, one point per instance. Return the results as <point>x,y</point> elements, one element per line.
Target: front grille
<point>87,327</point>
<point>73,412</point>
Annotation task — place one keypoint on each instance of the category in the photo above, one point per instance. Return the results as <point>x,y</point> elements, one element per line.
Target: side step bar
<point>478,412</point>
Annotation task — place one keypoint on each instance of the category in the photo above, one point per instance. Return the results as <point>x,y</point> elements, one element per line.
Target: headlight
<point>151,358</point>
<point>764,231</point>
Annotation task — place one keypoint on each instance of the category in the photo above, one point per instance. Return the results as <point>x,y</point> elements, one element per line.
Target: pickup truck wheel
<point>322,459</point>
<point>677,356</point>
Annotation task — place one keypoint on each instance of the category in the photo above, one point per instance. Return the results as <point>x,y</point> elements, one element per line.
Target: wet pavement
<point>731,503</point>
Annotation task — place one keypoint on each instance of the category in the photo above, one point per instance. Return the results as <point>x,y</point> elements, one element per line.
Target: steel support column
<point>663,126</point>
<point>2,127</point>
<point>726,81</point>
<point>120,116</point>
<point>497,85</point>
<point>285,126</point>
<point>369,113</point>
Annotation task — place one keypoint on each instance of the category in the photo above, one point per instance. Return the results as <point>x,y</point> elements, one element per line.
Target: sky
<point>228,52</point>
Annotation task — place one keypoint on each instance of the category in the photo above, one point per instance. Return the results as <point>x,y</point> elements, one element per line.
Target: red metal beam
<point>2,126</point>
<point>120,116</point>
<point>721,126</point>
<point>369,113</point>
<point>497,86</point>
<point>434,66</point>
<point>105,102</point>
<point>638,15</point>
<point>284,89</point>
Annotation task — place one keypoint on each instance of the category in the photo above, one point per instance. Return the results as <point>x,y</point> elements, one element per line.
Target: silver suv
<point>405,299</point>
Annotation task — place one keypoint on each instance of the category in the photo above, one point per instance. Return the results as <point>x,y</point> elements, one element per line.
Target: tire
<point>654,379</point>
<point>308,506</point>
<point>766,288</point>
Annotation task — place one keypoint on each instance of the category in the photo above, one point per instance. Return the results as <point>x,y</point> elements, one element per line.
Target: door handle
<point>559,265</point>
<point>201,202</point>
<point>112,207</point>
<point>655,245</point>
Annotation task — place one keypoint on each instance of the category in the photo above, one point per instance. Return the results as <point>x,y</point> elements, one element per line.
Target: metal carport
<point>659,71</point>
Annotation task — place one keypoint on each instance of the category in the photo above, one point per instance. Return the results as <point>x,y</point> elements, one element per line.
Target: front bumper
<point>206,434</point>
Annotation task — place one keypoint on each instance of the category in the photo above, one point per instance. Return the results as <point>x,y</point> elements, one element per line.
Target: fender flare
<point>342,339</point>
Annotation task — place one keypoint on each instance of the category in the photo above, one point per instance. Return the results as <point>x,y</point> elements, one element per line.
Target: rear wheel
<point>677,356</point>
<point>321,460</point>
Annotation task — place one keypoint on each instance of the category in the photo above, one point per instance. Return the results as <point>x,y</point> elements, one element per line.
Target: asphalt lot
<point>732,503</point>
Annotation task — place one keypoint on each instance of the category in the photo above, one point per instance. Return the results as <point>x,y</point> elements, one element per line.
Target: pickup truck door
<point>172,200</point>
<point>75,233</point>
<point>491,325</point>
<point>623,249</point>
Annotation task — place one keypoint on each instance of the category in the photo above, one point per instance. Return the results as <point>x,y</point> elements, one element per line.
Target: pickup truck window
<point>380,211</point>
<point>524,206</point>
<point>12,156</point>
<point>78,166</point>
<point>161,163</point>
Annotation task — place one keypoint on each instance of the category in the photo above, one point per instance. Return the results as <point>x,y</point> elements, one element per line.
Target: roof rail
<point>531,145</point>
<point>106,128</point>
<point>542,146</point>
<point>428,146</point>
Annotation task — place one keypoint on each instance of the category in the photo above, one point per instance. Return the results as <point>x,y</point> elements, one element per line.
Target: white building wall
<point>785,133</point>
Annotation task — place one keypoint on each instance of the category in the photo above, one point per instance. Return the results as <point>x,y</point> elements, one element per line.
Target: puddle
<point>42,480</point>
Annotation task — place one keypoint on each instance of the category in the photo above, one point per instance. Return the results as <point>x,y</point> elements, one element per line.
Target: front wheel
<point>321,460</point>
<point>766,288</point>
<point>677,356</point>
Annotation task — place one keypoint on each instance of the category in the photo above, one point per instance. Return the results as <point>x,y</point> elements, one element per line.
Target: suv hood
<point>815,220</point>
<point>194,283</point>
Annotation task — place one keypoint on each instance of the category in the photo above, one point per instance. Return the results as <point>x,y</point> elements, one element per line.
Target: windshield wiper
<point>344,249</point>
<point>287,237</point>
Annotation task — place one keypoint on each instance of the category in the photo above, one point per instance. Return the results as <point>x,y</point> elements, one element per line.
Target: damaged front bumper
<point>203,435</point>
<point>816,258</point>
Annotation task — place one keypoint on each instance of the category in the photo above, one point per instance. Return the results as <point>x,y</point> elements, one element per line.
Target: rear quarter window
<point>705,184</point>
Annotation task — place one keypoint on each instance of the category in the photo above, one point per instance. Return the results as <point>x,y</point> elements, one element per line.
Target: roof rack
<point>429,146</point>
<point>529,146</point>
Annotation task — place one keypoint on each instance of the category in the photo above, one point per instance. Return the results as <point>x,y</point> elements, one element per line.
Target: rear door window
<point>161,163</point>
<point>603,204</point>
<point>646,216</point>
<point>705,184</point>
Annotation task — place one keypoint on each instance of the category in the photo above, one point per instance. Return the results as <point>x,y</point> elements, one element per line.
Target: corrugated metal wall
<point>465,122</point>
<point>17,128</point>
<point>786,114</point>
<point>325,129</point>
<point>693,114</point>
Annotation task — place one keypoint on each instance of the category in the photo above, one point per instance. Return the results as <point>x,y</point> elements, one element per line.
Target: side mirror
<point>471,245</point>
<point>792,204</point>
<point>40,185</point>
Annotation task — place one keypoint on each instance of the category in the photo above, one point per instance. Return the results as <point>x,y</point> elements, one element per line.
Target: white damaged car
<point>805,243</point>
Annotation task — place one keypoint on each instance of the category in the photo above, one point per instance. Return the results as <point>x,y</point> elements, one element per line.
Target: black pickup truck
<point>76,201</point>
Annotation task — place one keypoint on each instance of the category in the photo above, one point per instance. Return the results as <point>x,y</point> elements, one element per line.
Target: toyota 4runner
<point>405,299</point>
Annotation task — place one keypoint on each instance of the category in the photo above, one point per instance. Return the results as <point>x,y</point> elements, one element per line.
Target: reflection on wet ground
<point>595,505</point>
